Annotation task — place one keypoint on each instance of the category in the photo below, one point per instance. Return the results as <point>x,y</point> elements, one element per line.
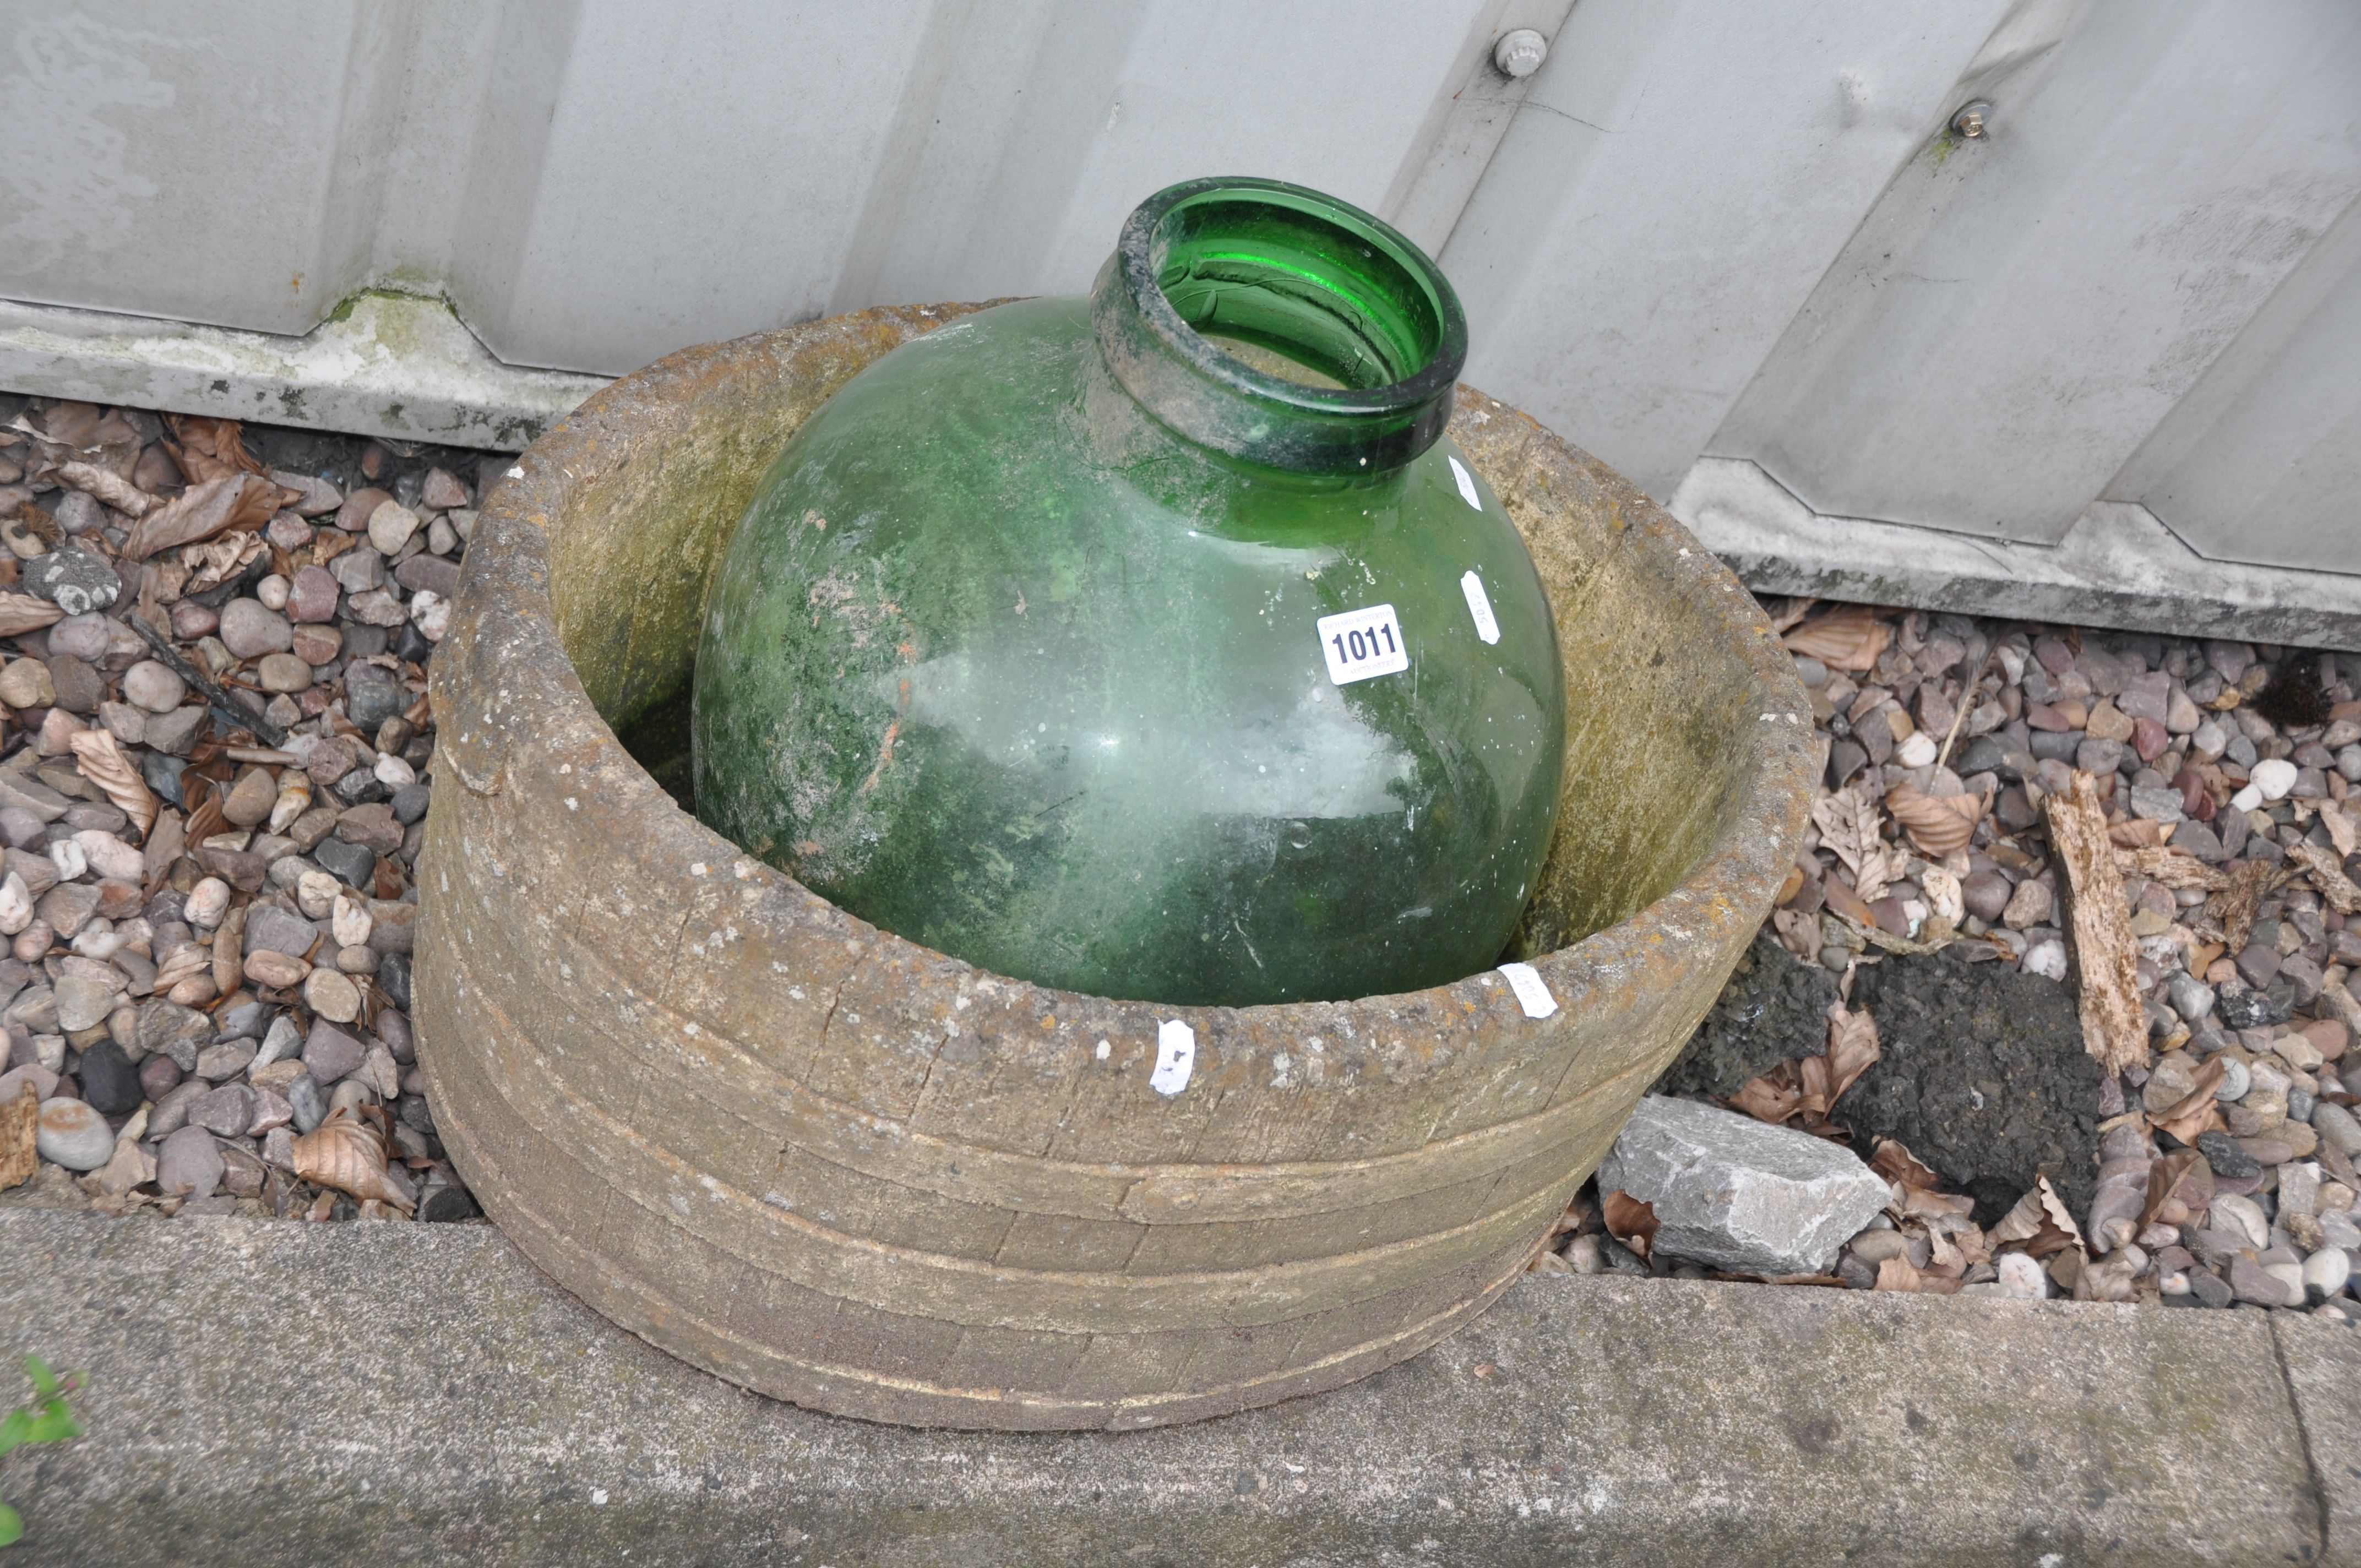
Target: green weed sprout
<point>49,1420</point>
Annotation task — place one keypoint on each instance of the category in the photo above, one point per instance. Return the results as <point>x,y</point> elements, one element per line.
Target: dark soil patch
<point>1983,1077</point>
<point>1775,1007</point>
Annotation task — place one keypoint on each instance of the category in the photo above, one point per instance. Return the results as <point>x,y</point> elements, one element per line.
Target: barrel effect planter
<point>845,1170</point>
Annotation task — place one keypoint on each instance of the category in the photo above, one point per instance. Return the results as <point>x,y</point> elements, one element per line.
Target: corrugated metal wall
<point>1702,231</point>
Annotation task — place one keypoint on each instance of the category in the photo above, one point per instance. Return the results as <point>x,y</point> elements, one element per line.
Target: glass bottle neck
<point>1290,272</point>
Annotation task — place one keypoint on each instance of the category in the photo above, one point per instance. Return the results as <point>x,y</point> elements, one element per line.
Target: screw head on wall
<point>1969,121</point>
<point>1520,52</point>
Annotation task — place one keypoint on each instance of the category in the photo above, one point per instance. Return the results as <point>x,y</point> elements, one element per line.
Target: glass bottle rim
<point>1371,282</point>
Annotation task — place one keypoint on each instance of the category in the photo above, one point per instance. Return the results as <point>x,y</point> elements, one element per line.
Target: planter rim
<point>1732,882</point>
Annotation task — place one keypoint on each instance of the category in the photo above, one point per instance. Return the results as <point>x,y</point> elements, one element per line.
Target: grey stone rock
<point>223,1060</point>
<point>1986,895</point>
<point>172,1030</point>
<point>246,1021</point>
<point>309,1105</point>
<point>84,636</point>
<point>73,1133</point>
<point>174,733</point>
<point>372,694</point>
<point>1739,1194</point>
<point>158,1075</point>
<point>171,1113</point>
<point>84,1003</point>
<point>330,1054</point>
<point>2096,755</point>
<point>250,628</point>
<point>79,689</point>
<point>393,976</point>
<point>226,1111</point>
<point>283,1040</point>
<point>2191,998</point>
<point>431,573</point>
<point>393,925</point>
<point>75,580</point>
<point>190,1163</point>
<point>109,1082</point>
<point>2337,1128</point>
<point>358,571</point>
<point>270,930</point>
<point>354,864</point>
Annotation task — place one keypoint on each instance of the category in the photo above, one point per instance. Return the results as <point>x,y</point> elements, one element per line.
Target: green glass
<point>1019,651</point>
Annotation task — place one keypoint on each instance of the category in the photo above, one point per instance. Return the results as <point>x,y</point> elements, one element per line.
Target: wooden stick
<point>2115,1025</point>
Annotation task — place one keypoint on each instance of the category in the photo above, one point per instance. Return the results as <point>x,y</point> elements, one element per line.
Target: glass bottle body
<point>1002,663</point>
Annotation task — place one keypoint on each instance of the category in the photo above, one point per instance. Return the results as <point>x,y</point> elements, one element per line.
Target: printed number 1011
<point>1363,642</point>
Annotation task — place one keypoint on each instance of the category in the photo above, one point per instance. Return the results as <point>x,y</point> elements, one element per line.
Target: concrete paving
<point>281,1393</point>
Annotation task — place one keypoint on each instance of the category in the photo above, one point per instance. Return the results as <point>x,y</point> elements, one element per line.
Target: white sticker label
<point>1467,484</point>
<point>1532,992</point>
<point>1175,1057</point>
<point>1360,643</point>
<point>1479,606</point>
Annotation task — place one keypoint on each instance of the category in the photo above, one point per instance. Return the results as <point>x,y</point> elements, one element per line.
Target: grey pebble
<point>190,1163</point>
<point>330,1054</point>
<point>311,1106</point>
<point>73,1133</point>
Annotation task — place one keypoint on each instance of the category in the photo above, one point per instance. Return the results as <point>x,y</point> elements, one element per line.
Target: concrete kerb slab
<point>276,1393</point>
<point>2118,566</point>
<point>392,365</point>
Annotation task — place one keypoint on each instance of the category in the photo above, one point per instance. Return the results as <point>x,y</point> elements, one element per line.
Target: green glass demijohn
<point>1154,644</point>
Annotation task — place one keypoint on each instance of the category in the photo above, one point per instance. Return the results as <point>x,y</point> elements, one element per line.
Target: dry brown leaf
<point>1848,638</point>
<point>2327,875</point>
<point>2040,1221</point>
<point>227,503</point>
<point>2196,1112</point>
<point>100,760</point>
<point>208,448</point>
<point>20,1126</point>
<point>1628,1221</point>
<point>23,613</point>
<point>1774,1097</point>
<point>1853,1048</point>
<point>1894,1160</point>
<point>1939,825</point>
<point>349,1156</point>
<point>2179,1188</point>
<point>1897,1273</point>
<point>219,559</point>
<point>1789,612</point>
<point>2343,831</point>
<point>109,486</point>
<point>1799,933</point>
<point>1848,822</point>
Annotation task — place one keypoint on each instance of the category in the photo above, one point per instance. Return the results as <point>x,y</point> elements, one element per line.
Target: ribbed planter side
<point>848,1171</point>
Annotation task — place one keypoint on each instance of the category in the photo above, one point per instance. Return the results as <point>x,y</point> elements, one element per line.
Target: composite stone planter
<point>843,1169</point>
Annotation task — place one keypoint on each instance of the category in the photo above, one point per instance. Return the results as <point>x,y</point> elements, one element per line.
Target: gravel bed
<point>195,1003</point>
<point>2219,1173</point>
<point>190,1001</point>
